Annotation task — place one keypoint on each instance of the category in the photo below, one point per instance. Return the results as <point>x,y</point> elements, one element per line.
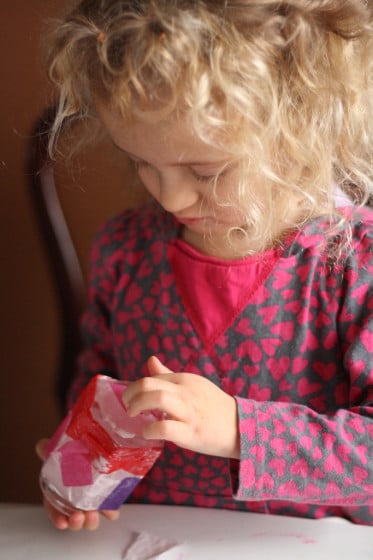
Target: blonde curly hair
<point>290,82</point>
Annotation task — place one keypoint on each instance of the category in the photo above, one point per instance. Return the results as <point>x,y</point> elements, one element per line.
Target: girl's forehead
<point>172,138</point>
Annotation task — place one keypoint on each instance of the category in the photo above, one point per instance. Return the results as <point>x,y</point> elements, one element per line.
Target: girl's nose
<point>176,192</point>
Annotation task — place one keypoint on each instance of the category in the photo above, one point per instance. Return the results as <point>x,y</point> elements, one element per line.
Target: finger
<point>165,401</point>
<point>59,520</point>
<point>111,514</point>
<point>41,448</point>
<point>76,520</point>
<point>91,521</point>
<point>145,385</point>
<point>156,367</point>
<point>169,430</point>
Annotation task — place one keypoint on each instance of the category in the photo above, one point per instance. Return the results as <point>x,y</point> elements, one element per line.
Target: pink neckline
<point>214,292</point>
<point>208,259</point>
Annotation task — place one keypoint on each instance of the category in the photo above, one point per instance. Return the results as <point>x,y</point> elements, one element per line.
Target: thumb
<point>156,367</point>
<point>41,448</point>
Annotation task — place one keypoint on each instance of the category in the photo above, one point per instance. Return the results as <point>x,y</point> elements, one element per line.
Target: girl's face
<point>180,172</point>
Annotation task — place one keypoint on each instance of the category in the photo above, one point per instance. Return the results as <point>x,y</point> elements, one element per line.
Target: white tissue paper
<point>145,546</point>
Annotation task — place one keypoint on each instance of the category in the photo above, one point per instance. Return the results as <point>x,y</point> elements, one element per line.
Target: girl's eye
<point>203,178</point>
<point>207,178</point>
<point>141,164</point>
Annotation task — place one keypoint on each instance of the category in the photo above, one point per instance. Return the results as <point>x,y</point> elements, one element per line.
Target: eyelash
<point>139,164</point>
<point>202,178</point>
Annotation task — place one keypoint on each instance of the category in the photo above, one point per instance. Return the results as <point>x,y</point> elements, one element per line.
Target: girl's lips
<point>190,220</point>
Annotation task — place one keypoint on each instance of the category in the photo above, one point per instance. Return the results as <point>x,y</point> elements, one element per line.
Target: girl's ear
<point>156,367</point>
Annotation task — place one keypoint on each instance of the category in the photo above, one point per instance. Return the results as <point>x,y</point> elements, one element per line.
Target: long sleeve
<point>289,452</point>
<point>313,454</point>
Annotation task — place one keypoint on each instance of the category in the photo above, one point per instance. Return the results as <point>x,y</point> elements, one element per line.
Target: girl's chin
<point>206,226</point>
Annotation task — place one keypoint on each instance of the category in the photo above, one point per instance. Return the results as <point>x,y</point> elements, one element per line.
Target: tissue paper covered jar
<point>97,455</point>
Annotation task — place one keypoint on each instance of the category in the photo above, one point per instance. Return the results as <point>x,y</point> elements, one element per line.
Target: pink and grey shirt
<point>288,333</point>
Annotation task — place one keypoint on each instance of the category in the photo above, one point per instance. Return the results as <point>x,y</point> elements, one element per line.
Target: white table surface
<point>26,533</point>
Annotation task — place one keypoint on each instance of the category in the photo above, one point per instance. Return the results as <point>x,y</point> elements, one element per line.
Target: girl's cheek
<point>150,181</point>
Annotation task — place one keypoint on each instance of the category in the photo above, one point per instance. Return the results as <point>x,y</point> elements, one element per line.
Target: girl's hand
<point>79,519</point>
<point>198,415</point>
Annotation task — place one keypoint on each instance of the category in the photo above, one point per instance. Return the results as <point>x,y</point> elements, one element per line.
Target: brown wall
<point>28,315</point>
<point>29,319</point>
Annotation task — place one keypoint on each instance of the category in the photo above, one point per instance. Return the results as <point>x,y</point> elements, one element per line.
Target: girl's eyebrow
<point>182,163</point>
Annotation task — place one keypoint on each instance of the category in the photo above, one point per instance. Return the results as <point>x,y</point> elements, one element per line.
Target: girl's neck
<point>221,247</point>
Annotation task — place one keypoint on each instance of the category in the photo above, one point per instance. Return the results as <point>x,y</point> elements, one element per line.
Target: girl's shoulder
<point>360,222</point>
<point>129,223</point>
<point>345,239</point>
<point>132,230</point>
<point>356,222</point>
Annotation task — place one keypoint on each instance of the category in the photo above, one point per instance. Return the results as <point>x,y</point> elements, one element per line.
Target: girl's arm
<point>286,451</point>
<point>290,452</point>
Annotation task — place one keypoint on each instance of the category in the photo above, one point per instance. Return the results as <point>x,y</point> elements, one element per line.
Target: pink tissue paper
<point>97,455</point>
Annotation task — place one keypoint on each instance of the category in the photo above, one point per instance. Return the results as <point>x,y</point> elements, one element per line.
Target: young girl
<point>240,301</point>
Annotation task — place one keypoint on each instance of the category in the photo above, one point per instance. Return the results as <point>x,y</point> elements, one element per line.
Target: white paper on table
<point>145,546</point>
<point>205,534</point>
